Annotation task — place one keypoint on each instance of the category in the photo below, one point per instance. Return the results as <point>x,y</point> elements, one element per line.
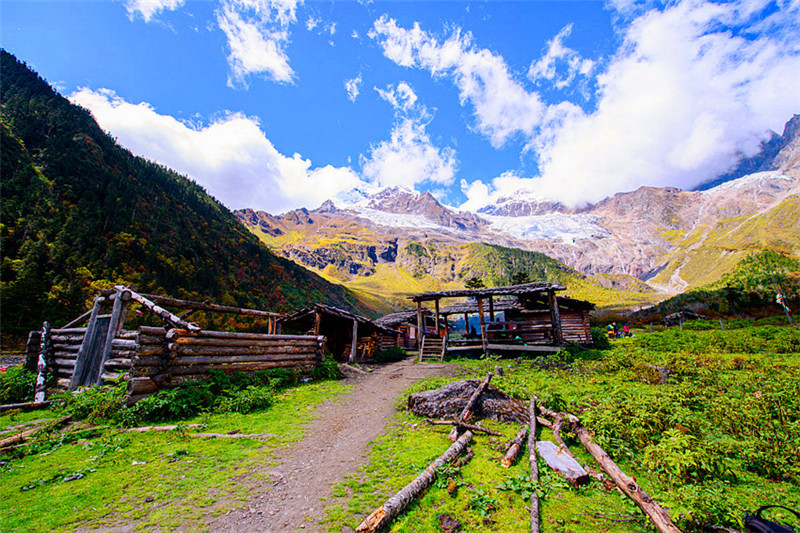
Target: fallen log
<point>534,466</point>
<point>27,406</point>
<point>23,435</point>
<point>660,517</point>
<point>397,503</point>
<point>466,414</point>
<point>562,463</point>
<point>471,427</point>
<point>514,448</point>
<point>448,402</point>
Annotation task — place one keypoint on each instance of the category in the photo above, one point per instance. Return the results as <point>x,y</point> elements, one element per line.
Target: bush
<point>17,385</point>
<point>600,340</point>
<point>391,355</point>
<point>246,401</point>
<point>94,403</point>
<point>327,369</point>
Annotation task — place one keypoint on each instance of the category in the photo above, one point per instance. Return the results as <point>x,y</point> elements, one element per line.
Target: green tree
<point>474,283</point>
<point>764,272</point>
<point>520,278</point>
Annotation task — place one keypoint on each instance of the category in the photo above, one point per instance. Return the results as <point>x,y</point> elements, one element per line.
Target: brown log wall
<point>151,358</point>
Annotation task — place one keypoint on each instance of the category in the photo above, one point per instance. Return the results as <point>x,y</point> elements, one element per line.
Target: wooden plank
<point>85,345</point>
<point>150,330</point>
<point>185,342</point>
<point>221,351</point>
<point>562,463</point>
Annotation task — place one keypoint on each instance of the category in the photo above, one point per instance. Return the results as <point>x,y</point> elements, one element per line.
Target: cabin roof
<point>510,290</point>
<point>395,319</point>
<point>310,311</point>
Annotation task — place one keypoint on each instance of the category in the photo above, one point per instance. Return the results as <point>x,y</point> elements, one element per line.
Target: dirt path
<point>335,445</point>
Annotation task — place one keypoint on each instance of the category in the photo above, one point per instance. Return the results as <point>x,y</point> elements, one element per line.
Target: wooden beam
<point>354,343</point>
<point>160,311</point>
<point>317,322</point>
<point>436,320</point>
<point>491,308</point>
<point>78,320</point>
<point>420,328</point>
<point>114,325</point>
<point>204,306</point>
<point>466,324</point>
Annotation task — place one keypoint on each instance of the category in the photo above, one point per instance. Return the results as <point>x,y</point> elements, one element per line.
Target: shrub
<point>390,355</point>
<point>246,401</point>
<point>327,369</point>
<point>600,340</point>
<point>94,403</point>
<point>17,385</point>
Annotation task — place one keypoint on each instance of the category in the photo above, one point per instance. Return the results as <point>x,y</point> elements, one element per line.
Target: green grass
<point>187,478</point>
<point>721,437</point>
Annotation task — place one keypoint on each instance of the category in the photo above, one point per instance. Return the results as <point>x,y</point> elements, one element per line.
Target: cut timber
<point>471,427</point>
<point>627,484</point>
<point>514,448</point>
<point>562,462</point>
<point>395,505</point>
<point>27,406</point>
<point>534,462</point>
<point>23,435</point>
<point>155,309</point>
<point>466,414</point>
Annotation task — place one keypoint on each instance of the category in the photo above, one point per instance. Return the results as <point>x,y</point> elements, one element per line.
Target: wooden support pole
<point>117,316</point>
<point>558,335</point>
<point>483,326</point>
<point>491,308</point>
<point>78,320</point>
<point>83,354</point>
<point>397,503</point>
<point>41,367</point>
<point>355,342</point>
<point>420,328</point>
<point>317,321</point>
<point>466,325</point>
<point>436,319</point>
<point>534,466</point>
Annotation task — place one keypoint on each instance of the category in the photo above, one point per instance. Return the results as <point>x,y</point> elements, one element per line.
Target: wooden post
<point>355,342</point>
<point>420,328</point>
<point>436,320</point>
<point>491,308</point>
<point>558,336</point>
<point>483,325</point>
<point>466,325</point>
<point>114,325</point>
<point>83,353</point>
<point>41,367</point>
<point>318,322</point>
<point>534,467</point>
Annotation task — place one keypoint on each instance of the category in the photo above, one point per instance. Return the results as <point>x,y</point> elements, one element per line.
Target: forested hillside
<point>79,213</point>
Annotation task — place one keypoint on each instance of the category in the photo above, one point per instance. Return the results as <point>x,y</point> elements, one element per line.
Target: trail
<point>335,445</point>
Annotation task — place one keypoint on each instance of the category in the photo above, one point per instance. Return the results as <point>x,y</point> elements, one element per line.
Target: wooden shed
<point>95,347</point>
<point>340,327</point>
<point>535,319</point>
<point>406,323</point>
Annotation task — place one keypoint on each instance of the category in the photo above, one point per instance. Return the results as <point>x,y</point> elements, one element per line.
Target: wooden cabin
<point>406,323</point>
<point>534,319</point>
<point>95,347</point>
<point>340,327</point>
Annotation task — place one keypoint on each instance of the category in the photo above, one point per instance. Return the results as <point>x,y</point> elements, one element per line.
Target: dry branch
<point>627,484</point>
<point>395,505</point>
<point>145,429</point>
<point>23,435</point>
<point>466,414</point>
<point>471,427</point>
<point>514,448</point>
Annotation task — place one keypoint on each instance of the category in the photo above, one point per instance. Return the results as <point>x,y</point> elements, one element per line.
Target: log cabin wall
<point>150,358</point>
<point>164,359</point>
<point>536,327</point>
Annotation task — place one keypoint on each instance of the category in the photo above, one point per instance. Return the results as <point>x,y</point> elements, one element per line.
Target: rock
<point>149,499</point>
<point>448,523</point>
<point>448,402</point>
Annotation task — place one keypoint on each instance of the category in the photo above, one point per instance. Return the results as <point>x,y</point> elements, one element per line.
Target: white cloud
<point>258,34</point>
<point>409,157</point>
<point>693,87</point>
<point>231,157</point>
<point>502,106</point>
<point>148,9</point>
<point>353,87</point>
<point>681,101</point>
<point>312,23</point>
<point>560,65</point>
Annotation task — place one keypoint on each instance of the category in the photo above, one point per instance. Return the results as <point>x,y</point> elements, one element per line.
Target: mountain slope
<point>79,212</point>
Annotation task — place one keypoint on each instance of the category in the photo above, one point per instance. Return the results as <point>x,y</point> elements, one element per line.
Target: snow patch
<point>397,220</point>
<point>748,180</point>
<point>553,226</point>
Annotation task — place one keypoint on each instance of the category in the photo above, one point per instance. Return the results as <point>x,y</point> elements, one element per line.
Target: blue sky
<point>278,104</point>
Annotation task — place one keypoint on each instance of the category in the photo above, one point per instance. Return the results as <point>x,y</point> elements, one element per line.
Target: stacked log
<point>120,360</point>
<point>575,327</point>
<point>65,345</point>
<point>147,361</point>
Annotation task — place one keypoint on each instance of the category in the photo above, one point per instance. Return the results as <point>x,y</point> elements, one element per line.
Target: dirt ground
<point>335,445</point>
